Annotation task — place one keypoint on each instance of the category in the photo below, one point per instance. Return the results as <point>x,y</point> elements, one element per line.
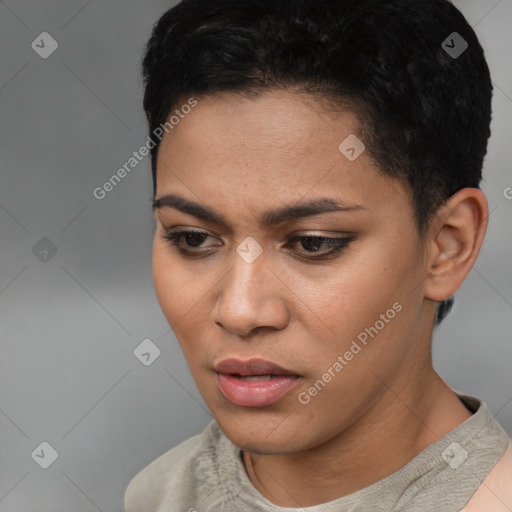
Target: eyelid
<point>292,236</point>
<point>335,244</point>
<point>322,234</point>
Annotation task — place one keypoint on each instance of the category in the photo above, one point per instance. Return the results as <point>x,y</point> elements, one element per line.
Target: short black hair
<point>424,111</point>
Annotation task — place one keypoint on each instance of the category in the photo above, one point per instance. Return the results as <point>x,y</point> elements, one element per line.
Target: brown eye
<point>186,241</point>
<point>313,244</point>
<point>190,244</point>
<point>194,239</point>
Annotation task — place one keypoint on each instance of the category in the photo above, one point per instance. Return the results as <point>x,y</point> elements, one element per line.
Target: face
<point>303,291</point>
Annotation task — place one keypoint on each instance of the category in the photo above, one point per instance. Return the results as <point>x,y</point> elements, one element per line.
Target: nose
<point>251,298</point>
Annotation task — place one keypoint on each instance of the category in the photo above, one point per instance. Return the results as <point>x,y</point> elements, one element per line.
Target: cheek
<point>368,300</point>
<point>168,281</point>
<point>347,298</point>
<point>181,292</point>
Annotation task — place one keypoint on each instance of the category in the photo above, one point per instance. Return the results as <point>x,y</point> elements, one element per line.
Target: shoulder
<point>495,493</point>
<point>172,473</point>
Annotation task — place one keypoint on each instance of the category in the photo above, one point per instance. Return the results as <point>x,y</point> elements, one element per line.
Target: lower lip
<point>255,393</point>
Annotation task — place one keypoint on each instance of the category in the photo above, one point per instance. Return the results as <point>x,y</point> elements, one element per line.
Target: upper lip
<point>234,366</point>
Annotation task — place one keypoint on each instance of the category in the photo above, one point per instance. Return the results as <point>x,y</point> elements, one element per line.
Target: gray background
<point>69,325</point>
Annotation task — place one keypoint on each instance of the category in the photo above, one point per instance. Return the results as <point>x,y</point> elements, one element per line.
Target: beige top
<point>469,470</point>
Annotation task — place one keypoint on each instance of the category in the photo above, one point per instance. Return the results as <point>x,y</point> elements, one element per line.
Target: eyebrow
<point>268,218</point>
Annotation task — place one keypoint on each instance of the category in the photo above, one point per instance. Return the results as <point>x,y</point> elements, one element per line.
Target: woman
<point>317,205</point>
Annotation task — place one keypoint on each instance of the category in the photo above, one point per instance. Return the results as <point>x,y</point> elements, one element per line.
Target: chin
<point>265,434</point>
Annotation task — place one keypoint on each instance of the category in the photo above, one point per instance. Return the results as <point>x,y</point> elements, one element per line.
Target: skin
<point>242,157</point>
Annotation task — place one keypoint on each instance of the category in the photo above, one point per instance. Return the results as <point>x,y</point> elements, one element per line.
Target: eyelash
<point>339,243</point>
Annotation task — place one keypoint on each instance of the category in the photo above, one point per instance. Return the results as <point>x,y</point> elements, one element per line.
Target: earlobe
<point>458,234</point>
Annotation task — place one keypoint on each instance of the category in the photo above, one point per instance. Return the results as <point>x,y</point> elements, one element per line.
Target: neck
<point>381,442</point>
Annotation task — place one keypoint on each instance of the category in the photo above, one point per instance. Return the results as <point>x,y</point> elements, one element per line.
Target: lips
<point>254,383</point>
<point>251,367</point>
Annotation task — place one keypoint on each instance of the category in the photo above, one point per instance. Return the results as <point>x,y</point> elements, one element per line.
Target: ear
<point>455,239</point>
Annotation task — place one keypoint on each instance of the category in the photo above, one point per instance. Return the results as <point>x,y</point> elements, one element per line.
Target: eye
<point>190,243</point>
<point>193,239</point>
<point>312,244</point>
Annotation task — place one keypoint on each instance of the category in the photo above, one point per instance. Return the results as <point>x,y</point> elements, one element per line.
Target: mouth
<point>254,383</point>
<point>254,378</point>
<point>252,368</point>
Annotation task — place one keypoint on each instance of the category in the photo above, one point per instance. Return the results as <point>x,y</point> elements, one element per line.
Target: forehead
<point>275,123</point>
<point>278,147</point>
